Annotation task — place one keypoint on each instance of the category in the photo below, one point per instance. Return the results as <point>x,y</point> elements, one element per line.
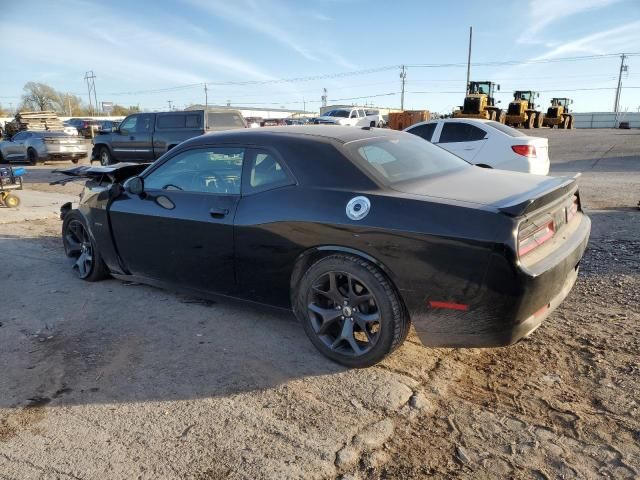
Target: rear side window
<point>424,131</point>
<point>170,121</point>
<point>512,132</point>
<point>224,119</point>
<point>460,132</point>
<point>266,172</point>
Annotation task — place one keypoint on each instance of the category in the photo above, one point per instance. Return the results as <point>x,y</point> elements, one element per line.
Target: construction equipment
<point>480,102</point>
<point>558,114</point>
<point>522,111</point>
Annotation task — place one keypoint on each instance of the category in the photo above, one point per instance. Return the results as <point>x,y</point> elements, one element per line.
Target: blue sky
<point>134,47</point>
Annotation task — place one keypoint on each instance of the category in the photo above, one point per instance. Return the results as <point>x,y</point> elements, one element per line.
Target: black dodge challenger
<point>360,232</point>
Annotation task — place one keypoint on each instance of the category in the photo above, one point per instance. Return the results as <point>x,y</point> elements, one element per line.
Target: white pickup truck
<point>354,117</point>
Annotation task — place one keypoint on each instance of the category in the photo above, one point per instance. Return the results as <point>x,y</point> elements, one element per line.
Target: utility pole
<point>304,105</point>
<point>403,76</point>
<point>91,88</point>
<point>623,68</point>
<point>206,106</point>
<point>169,102</point>
<point>324,97</point>
<point>69,105</point>
<point>469,58</point>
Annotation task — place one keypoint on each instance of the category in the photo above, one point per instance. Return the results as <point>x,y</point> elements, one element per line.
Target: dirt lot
<point>117,380</point>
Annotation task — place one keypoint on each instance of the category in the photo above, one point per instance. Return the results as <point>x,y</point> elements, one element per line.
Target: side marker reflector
<point>542,311</point>
<point>448,305</point>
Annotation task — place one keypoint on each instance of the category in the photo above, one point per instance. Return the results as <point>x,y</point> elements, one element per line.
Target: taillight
<point>524,150</point>
<point>533,236</point>
<point>573,208</point>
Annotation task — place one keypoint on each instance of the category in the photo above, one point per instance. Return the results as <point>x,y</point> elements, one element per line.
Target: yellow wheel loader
<point>480,103</point>
<point>522,111</point>
<point>558,114</point>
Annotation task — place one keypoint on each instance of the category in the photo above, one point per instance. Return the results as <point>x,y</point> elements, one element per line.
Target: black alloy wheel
<point>344,313</point>
<point>350,310</point>
<point>77,245</point>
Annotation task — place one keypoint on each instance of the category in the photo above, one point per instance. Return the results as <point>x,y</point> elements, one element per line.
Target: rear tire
<point>350,311</point>
<point>32,156</point>
<point>564,123</point>
<point>539,119</point>
<point>105,157</point>
<point>570,123</point>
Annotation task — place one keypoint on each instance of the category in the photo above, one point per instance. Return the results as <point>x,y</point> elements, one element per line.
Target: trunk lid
<point>512,193</point>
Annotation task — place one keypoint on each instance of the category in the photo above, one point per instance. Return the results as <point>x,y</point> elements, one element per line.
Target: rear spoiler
<point>533,200</point>
<point>114,173</point>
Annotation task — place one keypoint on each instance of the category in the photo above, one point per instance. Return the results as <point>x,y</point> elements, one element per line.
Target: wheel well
<point>311,256</point>
<point>170,147</point>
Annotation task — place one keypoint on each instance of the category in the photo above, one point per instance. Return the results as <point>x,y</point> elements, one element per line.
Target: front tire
<point>12,201</point>
<point>81,247</point>
<point>350,311</point>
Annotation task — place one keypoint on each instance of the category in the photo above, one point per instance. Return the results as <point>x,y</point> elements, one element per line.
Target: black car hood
<point>115,173</point>
<point>513,193</point>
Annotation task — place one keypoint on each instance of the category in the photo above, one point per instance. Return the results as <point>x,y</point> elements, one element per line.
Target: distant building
<point>258,111</point>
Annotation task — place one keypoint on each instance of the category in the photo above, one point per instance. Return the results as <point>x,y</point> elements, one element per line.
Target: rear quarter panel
<point>428,249</point>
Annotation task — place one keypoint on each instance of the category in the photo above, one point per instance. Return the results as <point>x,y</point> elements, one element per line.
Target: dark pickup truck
<point>144,137</point>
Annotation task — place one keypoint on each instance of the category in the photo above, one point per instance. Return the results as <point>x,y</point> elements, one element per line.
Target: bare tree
<point>38,96</point>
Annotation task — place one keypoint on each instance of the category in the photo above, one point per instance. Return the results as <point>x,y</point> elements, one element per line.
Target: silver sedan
<point>34,146</point>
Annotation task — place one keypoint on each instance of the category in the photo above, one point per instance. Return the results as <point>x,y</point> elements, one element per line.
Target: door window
<point>129,124</point>
<point>460,132</point>
<point>20,136</point>
<point>266,172</point>
<point>144,124</point>
<point>204,170</point>
<point>424,131</point>
<point>354,114</point>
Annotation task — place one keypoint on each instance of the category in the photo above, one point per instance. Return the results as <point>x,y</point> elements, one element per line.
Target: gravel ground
<point>118,380</point>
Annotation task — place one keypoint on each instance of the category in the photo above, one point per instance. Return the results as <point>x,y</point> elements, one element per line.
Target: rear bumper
<point>513,302</point>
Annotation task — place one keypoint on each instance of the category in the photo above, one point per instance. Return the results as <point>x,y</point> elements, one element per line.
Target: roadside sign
<point>107,107</point>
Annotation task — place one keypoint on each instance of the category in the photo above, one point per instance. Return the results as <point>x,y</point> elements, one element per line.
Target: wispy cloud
<point>612,40</point>
<point>268,18</point>
<point>542,13</point>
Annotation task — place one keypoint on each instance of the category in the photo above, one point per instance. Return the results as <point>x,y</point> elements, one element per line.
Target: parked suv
<point>87,127</point>
<point>144,137</point>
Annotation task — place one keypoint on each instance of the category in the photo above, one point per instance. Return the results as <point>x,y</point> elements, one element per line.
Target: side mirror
<point>499,101</point>
<point>498,87</point>
<point>134,186</point>
<point>122,131</point>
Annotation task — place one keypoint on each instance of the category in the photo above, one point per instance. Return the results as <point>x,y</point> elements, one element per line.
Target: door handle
<point>469,148</point>
<point>218,212</point>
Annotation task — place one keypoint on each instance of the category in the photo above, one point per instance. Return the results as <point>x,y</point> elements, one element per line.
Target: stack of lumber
<point>46,120</point>
<point>38,121</point>
<point>402,120</point>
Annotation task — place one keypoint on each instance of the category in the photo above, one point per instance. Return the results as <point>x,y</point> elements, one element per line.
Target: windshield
<point>400,158</point>
<point>512,132</point>
<point>337,113</point>
<point>224,119</point>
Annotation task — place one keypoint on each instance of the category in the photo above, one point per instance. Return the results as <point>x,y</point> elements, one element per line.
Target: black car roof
<point>337,133</point>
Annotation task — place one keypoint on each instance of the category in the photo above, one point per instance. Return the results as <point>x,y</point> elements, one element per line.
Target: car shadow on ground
<point>66,341</point>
